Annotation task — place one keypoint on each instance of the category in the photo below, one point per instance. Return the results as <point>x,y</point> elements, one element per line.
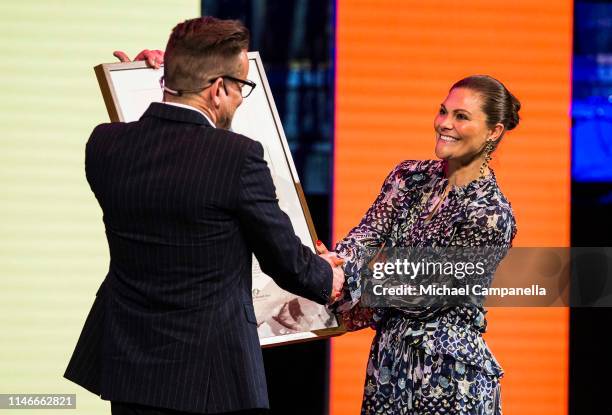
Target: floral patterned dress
<point>427,360</point>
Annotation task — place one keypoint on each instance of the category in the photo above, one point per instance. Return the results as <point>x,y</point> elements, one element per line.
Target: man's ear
<point>215,91</point>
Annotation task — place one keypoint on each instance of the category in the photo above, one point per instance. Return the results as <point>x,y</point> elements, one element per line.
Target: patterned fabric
<point>427,360</point>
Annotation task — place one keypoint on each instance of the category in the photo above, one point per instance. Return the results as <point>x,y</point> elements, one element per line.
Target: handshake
<point>338,273</point>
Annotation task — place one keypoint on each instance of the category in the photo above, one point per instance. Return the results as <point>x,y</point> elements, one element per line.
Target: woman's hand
<point>338,273</point>
<point>154,58</point>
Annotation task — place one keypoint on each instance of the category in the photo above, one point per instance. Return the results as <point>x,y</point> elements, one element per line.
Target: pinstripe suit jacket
<point>185,206</point>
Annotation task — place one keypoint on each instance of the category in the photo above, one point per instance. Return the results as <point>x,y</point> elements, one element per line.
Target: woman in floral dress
<point>433,360</point>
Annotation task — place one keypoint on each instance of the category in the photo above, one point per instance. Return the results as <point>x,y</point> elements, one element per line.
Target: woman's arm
<point>359,246</point>
<point>364,240</point>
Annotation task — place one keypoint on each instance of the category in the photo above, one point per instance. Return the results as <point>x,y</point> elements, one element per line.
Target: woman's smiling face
<point>461,126</point>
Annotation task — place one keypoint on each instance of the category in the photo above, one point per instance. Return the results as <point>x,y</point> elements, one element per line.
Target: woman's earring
<point>488,150</point>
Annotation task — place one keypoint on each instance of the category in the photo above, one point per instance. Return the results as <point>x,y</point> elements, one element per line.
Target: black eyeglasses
<point>246,86</point>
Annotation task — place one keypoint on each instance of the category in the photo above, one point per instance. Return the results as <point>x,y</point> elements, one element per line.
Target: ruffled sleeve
<point>361,245</point>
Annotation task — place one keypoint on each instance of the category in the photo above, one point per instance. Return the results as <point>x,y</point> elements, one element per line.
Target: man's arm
<point>281,255</point>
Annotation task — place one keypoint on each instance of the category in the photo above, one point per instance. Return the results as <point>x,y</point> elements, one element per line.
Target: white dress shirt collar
<point>189,107</point>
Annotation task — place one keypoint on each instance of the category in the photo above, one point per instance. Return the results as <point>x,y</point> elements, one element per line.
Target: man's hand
<point>154,58</point>
<point>338,273</point>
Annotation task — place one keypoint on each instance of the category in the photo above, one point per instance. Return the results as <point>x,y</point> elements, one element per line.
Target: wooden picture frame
<point>282,317</point>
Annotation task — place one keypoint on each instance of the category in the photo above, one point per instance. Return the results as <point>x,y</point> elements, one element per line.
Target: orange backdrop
<point>395,63</point>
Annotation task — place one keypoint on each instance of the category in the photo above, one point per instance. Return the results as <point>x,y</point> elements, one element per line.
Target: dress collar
<point>479,183</point>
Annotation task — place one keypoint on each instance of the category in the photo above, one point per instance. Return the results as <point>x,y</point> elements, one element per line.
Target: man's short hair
<point>201,49</point>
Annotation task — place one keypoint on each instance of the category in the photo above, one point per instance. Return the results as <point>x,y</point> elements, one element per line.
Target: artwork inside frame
<point>282,317</point>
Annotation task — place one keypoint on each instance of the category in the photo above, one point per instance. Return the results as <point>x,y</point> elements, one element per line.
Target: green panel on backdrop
<point>53,252</point>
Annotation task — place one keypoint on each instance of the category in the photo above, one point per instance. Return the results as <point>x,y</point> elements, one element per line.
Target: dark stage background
<point>591,223</point>
<point>296,39</point>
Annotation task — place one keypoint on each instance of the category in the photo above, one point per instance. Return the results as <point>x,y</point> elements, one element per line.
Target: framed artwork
<point>282,317</point>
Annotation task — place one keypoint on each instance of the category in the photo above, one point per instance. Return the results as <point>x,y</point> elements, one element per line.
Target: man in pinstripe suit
<point>186,203</point>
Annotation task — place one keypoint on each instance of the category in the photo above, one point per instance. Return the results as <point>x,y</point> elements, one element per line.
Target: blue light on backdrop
<point>592,92</point>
